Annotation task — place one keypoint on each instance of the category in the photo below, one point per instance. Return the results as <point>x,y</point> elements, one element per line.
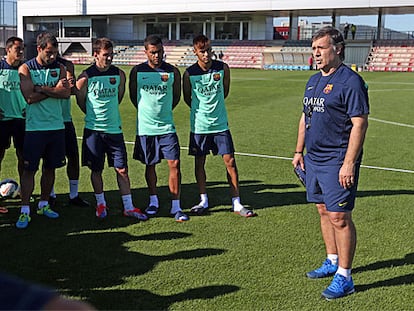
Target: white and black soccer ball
<point>9,188</point>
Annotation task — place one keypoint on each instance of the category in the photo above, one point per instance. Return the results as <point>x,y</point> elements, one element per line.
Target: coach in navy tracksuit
<point>332,129</point>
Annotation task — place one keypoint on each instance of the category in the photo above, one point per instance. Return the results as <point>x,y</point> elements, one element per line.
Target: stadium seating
<point>384,55</point>
<point>273,55</point>
<point>293,55</point>
<point>243,54</point>
<point>391,55</point>
<point>79,57</point>
<point>237,54</point>
<point>128,54</point>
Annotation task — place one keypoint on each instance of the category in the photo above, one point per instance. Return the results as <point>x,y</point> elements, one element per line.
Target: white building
<point>78,22</point>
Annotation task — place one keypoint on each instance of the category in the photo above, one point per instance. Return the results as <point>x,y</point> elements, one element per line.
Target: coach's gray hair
<point>335,36</point>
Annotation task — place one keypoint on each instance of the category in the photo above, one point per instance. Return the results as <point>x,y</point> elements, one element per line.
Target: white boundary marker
<point>289,159</point>
<point>286,158</point>
<point>390,122</point>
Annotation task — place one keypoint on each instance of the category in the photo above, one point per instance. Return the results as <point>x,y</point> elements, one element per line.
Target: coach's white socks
<point>345,272</point>
<point>333,258</point>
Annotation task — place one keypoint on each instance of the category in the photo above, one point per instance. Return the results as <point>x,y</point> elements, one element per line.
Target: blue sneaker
<point>327,269</point>
<point>23,221</point>
<point>339,287</point>
<point>47,211</point>
<point>180,217</point>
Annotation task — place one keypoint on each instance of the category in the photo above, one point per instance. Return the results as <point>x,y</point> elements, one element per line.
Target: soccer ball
<point>9,188</point>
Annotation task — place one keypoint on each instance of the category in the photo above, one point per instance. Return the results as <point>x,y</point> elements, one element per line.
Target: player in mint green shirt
<point>43,83</point>
<point>71,142</point>
<point>205,86</point>
<point>12,102</point>
<point>99,91</point>
<point>155,89</point>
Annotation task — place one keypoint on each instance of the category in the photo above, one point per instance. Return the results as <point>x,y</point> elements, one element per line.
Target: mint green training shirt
<point>102,105</point>
<point>45,115</point>
<point>12,102</point>
<point>208,112</point>
<point>155,99</point>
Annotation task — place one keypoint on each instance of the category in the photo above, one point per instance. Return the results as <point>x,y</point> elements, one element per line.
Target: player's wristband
<point>298,152</point>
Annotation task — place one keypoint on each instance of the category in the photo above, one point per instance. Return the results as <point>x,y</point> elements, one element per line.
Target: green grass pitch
<point>223,261</point>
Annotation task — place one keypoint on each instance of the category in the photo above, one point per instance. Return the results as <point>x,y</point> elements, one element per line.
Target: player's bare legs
<point>124,185</point>
<point>97,182</point>
<point>151,179</point>
<point>123,180</point>
<point>233,180</point>
<point>27,186</point>
<point>232,174</point>
<point>2,153</point>
<point>46,183</point>
<point>200,173</point>
<point>72,171</point>
<point>72,167</point>
<point>174,179</point>
<point>20,163</point>
<point>201,178</point>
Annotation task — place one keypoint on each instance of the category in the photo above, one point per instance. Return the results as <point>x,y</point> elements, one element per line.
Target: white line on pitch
<point>390,122</point>
<point>366,166</point>
<point>289,159</point>
<point>286,158</point>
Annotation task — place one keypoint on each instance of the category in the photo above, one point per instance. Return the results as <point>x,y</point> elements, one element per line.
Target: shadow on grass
<point>397,281</point>
<point>146,300</point>
<point>256,194</point>
<point>407,260</point>
<point>78,254</point>
<point>253,193</point>
<point>407,279</point>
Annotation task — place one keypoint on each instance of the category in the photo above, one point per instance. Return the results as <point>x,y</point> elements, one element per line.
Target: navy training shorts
<point>216,143</point>
<point>322,186</point>
<point>96,145</point>
<point>150,150</point>
<point>71,141</point>
<point>46,145</point>
<point>12,128</point>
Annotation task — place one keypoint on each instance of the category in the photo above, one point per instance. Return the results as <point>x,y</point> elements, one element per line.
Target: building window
<point>227,31</point>
<point>190,30</point>
<point>77,32</point>
<point>159,29</point>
